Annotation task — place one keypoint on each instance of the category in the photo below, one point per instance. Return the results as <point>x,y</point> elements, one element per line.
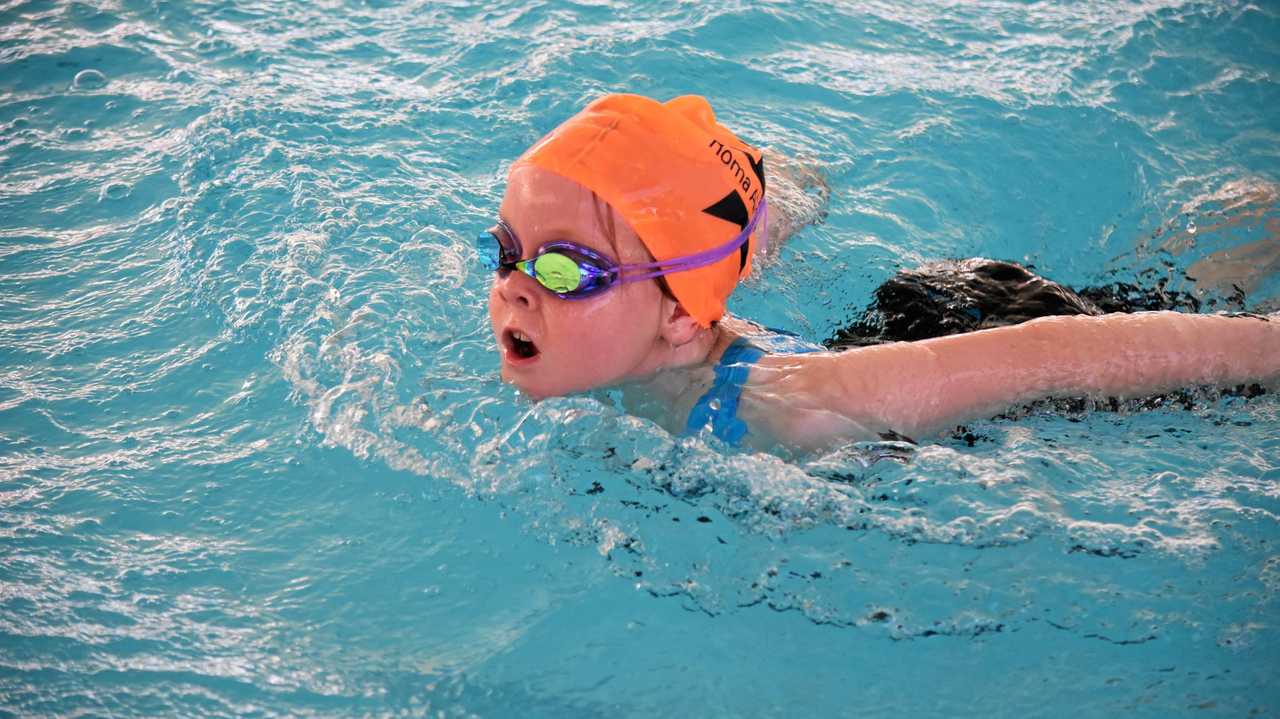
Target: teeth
<point>521,336</point>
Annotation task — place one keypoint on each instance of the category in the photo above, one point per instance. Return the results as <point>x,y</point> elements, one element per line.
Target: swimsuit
<point>719,405</point>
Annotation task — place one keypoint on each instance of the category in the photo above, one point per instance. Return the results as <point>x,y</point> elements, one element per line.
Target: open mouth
<point>520,345</point>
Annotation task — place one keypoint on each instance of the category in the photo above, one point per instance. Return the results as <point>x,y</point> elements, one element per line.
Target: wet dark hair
<point>957,296</point>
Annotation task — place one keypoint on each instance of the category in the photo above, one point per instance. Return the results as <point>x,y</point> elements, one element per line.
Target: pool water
<point>255,459</point>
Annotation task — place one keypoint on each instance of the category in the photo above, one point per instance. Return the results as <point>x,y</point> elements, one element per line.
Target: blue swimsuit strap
<point>719,406</point>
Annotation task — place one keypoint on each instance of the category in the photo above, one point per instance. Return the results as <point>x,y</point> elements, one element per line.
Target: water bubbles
<point>114,191</point>
<point>211,45</point>
<point>89,80</point>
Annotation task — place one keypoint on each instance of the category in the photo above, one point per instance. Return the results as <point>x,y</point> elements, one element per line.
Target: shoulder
<point>807,401</point>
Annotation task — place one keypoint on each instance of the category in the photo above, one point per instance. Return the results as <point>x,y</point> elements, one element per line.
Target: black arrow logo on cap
<point>732,208</point>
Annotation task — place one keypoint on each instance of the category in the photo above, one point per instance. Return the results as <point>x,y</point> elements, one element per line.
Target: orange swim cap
<point>680,179</point>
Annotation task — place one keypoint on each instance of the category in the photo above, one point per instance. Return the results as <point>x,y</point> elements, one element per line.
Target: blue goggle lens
<point>490,250</point>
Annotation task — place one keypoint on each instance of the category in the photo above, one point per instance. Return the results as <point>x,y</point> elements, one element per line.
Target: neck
<point>663,392</point>
<point>696,351</point>
<point>703,348</point>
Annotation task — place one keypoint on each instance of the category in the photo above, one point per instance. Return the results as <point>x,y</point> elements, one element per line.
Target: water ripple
<point>255,458</point>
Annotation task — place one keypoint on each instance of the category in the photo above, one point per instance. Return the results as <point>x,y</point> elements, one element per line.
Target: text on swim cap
<point>744,180</point>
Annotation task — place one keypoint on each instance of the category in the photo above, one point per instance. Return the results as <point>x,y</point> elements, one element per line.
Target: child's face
<point>576,344</point>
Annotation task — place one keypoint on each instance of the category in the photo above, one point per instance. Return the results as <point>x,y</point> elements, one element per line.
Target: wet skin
<point>626,332</point>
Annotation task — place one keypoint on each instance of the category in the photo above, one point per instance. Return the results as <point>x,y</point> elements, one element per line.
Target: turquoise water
<point>255,459</point>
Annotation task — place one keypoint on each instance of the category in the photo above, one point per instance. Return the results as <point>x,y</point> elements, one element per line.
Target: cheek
<point>588,337</point>
<point>614,335</point>
<point>496,306</point>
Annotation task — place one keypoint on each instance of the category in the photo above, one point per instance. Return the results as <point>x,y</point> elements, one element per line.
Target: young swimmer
<point>623,232</point>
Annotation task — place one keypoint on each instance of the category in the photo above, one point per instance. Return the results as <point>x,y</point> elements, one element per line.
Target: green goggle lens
<point>556,272</point>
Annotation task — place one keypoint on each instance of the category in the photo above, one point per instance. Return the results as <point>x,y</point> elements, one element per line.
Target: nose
<point>517,288</point>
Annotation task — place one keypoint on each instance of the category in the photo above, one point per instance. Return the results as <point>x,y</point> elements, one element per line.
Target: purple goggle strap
<point>649,270</point>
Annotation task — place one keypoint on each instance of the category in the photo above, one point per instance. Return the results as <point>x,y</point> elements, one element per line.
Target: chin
<point>534,394</point>
<point>531,391</point>
<point>539,391</point>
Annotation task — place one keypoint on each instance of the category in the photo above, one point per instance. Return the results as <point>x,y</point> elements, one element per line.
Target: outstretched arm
<point>797,194</point>
<point>918,388</point>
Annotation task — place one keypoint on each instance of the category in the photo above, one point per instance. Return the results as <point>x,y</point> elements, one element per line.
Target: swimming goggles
<point>573,272</point>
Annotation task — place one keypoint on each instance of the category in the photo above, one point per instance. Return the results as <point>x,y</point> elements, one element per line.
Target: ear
<point>678,326</point>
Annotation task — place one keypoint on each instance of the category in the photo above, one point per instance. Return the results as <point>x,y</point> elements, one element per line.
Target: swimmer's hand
<point>920,388</point>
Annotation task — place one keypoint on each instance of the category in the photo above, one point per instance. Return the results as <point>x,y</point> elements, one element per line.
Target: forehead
<point>541,206</point>
<point>532,189</point>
